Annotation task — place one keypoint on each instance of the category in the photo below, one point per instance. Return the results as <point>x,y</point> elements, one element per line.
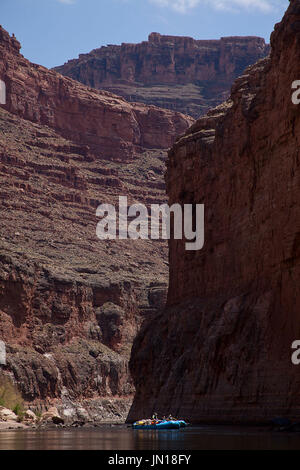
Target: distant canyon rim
<point>179,73</point>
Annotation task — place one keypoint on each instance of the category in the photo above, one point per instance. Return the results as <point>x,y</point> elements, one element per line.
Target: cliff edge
<point>179,73</point>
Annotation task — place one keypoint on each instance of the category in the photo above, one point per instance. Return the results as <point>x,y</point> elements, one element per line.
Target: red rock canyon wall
<point>221,351</point>
<point>179,73</point>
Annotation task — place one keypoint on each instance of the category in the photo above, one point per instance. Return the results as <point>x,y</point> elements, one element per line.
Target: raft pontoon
<point>163,424</point>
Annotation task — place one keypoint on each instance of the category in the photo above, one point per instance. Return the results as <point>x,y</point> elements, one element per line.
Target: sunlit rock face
<point>178,73</point>
<point>70,304</point>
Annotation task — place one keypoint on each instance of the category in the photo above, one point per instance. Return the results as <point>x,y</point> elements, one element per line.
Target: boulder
<point>30,416</point>
<point>52,415</point>
<point>7,415</point>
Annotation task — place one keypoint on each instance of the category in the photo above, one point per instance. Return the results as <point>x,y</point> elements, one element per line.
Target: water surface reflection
<point>123,438</point>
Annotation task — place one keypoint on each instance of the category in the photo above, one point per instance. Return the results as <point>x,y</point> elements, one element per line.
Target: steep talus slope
<point>70,304</point>
<point>221,351</point>
<point>178,73</point>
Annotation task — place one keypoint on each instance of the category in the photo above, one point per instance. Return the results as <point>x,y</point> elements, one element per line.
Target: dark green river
<point>123,438</point>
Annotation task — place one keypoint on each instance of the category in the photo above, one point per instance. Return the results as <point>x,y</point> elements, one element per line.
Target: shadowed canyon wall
<point>221,351</point>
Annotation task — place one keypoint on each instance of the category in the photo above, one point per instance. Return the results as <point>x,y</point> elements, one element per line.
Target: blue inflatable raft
<point>164,424</point>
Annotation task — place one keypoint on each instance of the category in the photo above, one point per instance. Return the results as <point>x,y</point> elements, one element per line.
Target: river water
<point>123,438</point>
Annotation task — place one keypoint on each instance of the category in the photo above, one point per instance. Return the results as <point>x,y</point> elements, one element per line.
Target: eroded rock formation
<point>111,127</point>
<point>178,73</point>
<point>222,349</point>
<point>70,305</point>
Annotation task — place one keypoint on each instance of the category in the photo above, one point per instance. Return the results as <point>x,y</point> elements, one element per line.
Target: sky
<point>54,31</point>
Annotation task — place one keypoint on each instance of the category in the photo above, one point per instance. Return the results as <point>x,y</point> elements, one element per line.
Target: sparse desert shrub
<point>10,397</point>
<point>38,413</point>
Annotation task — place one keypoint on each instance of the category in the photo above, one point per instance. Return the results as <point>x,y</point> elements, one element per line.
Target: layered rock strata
<point>110,126</point>
<point>70,304</point>
<point>178,73</point>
